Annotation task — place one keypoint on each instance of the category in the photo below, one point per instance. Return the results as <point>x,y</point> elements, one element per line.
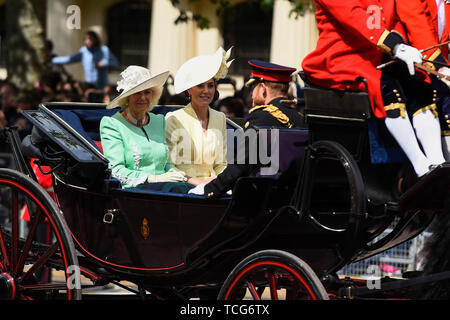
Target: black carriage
<point>326,207</point>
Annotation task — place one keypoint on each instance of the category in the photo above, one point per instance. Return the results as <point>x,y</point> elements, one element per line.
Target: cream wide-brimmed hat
<point>202,68</point>
<point>135,79</point>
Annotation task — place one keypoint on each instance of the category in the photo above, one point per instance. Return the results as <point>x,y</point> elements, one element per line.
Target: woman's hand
<point>169,176</point>
<point>196,181</point>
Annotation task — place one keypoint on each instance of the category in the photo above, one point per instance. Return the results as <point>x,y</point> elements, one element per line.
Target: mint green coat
<point>133,155</point>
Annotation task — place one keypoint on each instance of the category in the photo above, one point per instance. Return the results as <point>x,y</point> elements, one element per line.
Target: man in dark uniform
<point>271,108</point>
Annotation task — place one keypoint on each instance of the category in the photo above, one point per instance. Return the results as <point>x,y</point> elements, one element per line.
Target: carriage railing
<point>10,135</point>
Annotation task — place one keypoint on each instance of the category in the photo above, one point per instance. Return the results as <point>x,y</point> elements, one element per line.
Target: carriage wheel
<point>22,258</point>
<point>275,275</point>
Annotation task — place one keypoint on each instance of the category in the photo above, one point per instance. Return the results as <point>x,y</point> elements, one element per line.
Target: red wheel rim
<point>271,281</point>
<point>13,261</point>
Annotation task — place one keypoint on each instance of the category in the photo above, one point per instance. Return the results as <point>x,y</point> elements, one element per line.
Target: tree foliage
<point>298,9</point>
<point>25,30</point>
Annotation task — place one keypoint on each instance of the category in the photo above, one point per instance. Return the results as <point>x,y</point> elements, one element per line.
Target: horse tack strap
<point>351,292</point>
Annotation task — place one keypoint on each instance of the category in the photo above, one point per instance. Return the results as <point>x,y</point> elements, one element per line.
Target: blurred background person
<point>231,107</point>
<point>96,59</point>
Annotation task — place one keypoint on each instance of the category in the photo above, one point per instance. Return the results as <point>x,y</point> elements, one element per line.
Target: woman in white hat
<point>196,134</point>
<point>133,139</point>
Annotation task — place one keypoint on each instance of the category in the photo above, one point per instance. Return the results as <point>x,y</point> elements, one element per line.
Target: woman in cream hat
<point>133,139</point>
<point>196,134</point>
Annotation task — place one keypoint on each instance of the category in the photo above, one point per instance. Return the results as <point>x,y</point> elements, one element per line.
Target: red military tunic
<point>353,35</point>
<point>420,18</point>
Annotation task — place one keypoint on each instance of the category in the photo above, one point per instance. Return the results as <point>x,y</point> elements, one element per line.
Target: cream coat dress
<point>199,154</point>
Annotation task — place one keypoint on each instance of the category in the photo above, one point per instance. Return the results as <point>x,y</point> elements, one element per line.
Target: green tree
<point>298,9</point>
<point>25,40</point>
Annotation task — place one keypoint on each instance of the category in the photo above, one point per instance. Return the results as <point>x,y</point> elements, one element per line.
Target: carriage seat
<point>87,121</point>
<point>287,149</point>
<point>281,158</point>
<point>321,102</point>
<point>346,117</point>
<point>325,102</point>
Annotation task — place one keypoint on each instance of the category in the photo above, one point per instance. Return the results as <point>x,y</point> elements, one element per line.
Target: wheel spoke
<point>23,254</point>
<point>15,228</point>
<point>44,286</point>
<point>260,290</point>
<point>24,297</point>
<point>252,289</point>
<point>286,276</point>
<point>292,294</point>
<point>27,244</point>
<point>41,260</point>
<point>3,250</point>
<point>273,286</point>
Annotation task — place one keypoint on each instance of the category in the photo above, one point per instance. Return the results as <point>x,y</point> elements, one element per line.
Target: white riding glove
<point>169,176</point>
<point>408,55</point>
<point>446,72</point>
<point>200,189</point>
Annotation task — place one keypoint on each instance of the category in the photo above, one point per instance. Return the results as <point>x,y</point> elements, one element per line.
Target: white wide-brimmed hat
<point>135,79</point>
<point>202,68</point>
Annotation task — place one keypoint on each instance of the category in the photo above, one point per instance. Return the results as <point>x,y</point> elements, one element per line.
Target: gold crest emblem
<point>145,230</point>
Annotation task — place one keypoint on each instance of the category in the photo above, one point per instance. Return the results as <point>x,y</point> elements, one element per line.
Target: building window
<point>248,27</point>
<point>128,26</point>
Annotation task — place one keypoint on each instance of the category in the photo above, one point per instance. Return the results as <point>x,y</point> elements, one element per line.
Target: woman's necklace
<point>137,123</point>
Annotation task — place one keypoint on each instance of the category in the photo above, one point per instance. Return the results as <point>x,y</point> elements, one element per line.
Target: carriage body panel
<point>136,230</point>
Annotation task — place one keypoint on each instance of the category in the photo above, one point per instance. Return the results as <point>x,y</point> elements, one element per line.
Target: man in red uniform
<point>427,23</point>
<point>356,36</point>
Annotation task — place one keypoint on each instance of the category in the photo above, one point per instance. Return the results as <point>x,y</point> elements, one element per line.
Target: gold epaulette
<point>276,113</point>
<point>256,108</point>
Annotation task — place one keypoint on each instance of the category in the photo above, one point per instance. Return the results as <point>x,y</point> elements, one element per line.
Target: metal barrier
<point>393,262</point>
